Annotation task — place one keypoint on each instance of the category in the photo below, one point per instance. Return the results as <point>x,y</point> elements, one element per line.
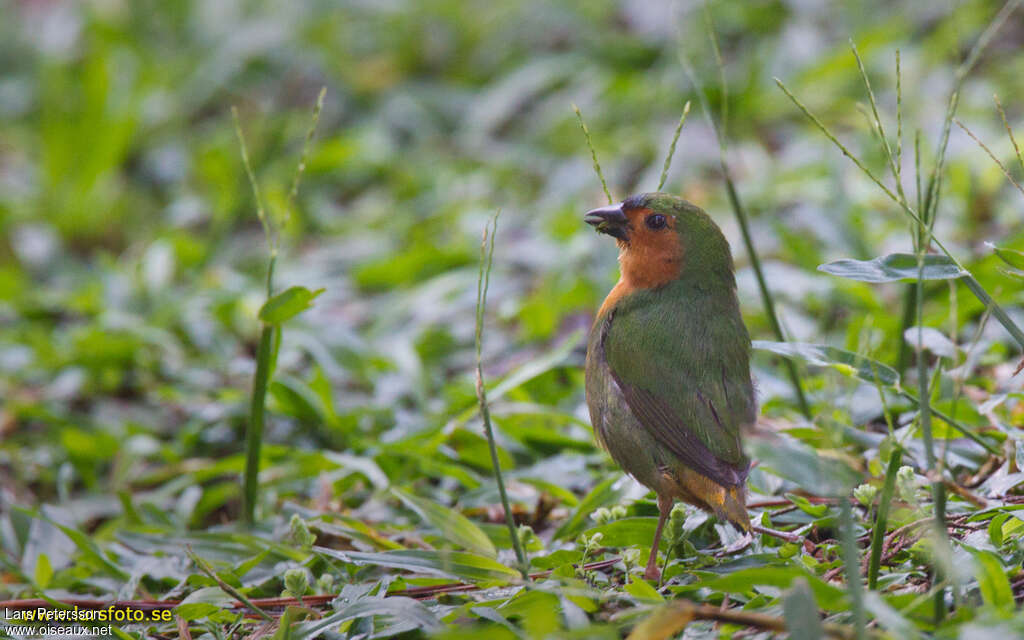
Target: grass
<point>482,284</point>
<point>296,415</point>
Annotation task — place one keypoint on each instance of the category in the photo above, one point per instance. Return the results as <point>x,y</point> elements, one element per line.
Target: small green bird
<point>668,360</point>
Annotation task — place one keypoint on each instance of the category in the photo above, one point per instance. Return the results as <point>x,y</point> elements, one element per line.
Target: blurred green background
<point>132,260</point>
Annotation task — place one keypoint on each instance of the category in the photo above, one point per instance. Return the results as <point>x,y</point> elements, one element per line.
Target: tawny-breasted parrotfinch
<point>668,360</point>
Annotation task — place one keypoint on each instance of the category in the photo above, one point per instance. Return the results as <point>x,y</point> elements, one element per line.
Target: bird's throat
<point>639,270</point>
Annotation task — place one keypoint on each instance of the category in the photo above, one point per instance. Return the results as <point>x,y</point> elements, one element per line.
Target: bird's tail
<point>727,503</point>
<point>733,507</point>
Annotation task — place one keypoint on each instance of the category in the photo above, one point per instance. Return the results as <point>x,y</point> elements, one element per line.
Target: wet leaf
<point>895,267</point>
<point>846,362</point>
<point>802,465</point>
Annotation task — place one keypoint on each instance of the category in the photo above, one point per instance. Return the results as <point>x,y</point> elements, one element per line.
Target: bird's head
<point>661,237</point>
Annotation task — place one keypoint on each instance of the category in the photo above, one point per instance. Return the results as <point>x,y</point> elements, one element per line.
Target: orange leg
<point>664,508</point>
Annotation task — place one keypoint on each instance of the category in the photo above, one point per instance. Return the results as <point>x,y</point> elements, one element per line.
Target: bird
<point>668,381</point>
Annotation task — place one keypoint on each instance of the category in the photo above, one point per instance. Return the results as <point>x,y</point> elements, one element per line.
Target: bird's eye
<point>655,221</point>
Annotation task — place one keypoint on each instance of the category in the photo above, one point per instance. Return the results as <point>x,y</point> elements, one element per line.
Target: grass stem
<point>257,409</point>
<point>1002,167</point>
<point>672,147</point>
<point>1009,130</point>
<point>482,284</point>
<point>205,567</point>
<point>929,207</point>
<point>994,450</point>
<point>882,516</point>
<point>925,418</point>
<point>300,169</point>
<point>877,121</point>
<point>593,153</point>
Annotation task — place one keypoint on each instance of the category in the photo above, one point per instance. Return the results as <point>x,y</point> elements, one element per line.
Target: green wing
<point>682,363</point>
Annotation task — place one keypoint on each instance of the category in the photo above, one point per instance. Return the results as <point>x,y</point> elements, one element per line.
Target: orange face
<point>652,254</point>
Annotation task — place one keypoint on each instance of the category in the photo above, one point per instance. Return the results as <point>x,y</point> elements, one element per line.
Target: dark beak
<point>611,220</point>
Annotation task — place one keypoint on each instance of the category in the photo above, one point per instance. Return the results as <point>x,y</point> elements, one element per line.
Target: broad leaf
<point>627,532</point>
<point>453,525</point>
<point>538,611</point>
<point>829,597</point>
<point>43,572</point>
<point>846,362</point>
<point>90,549</point>
<point>287,304</point>
<point>197,610</point>
<point>889,617</point>
<point>406,613</point>
<point>452,564</point>
<point>894,267</point>
<point>801,612</point>
<point>643,592</point>
<point>664,622</point>
<point>355,530</point>
<point>802,465</point>
<point>931,339</point>
<point>992,581</point>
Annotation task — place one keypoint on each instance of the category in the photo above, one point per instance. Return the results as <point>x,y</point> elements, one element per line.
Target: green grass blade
<point>672,147</point>
<point>254,429</point>
<point>605,493</point>
<point>882,516</point>
<point>593,153</point>
<point>454,526</point>
<point>205,567</point>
